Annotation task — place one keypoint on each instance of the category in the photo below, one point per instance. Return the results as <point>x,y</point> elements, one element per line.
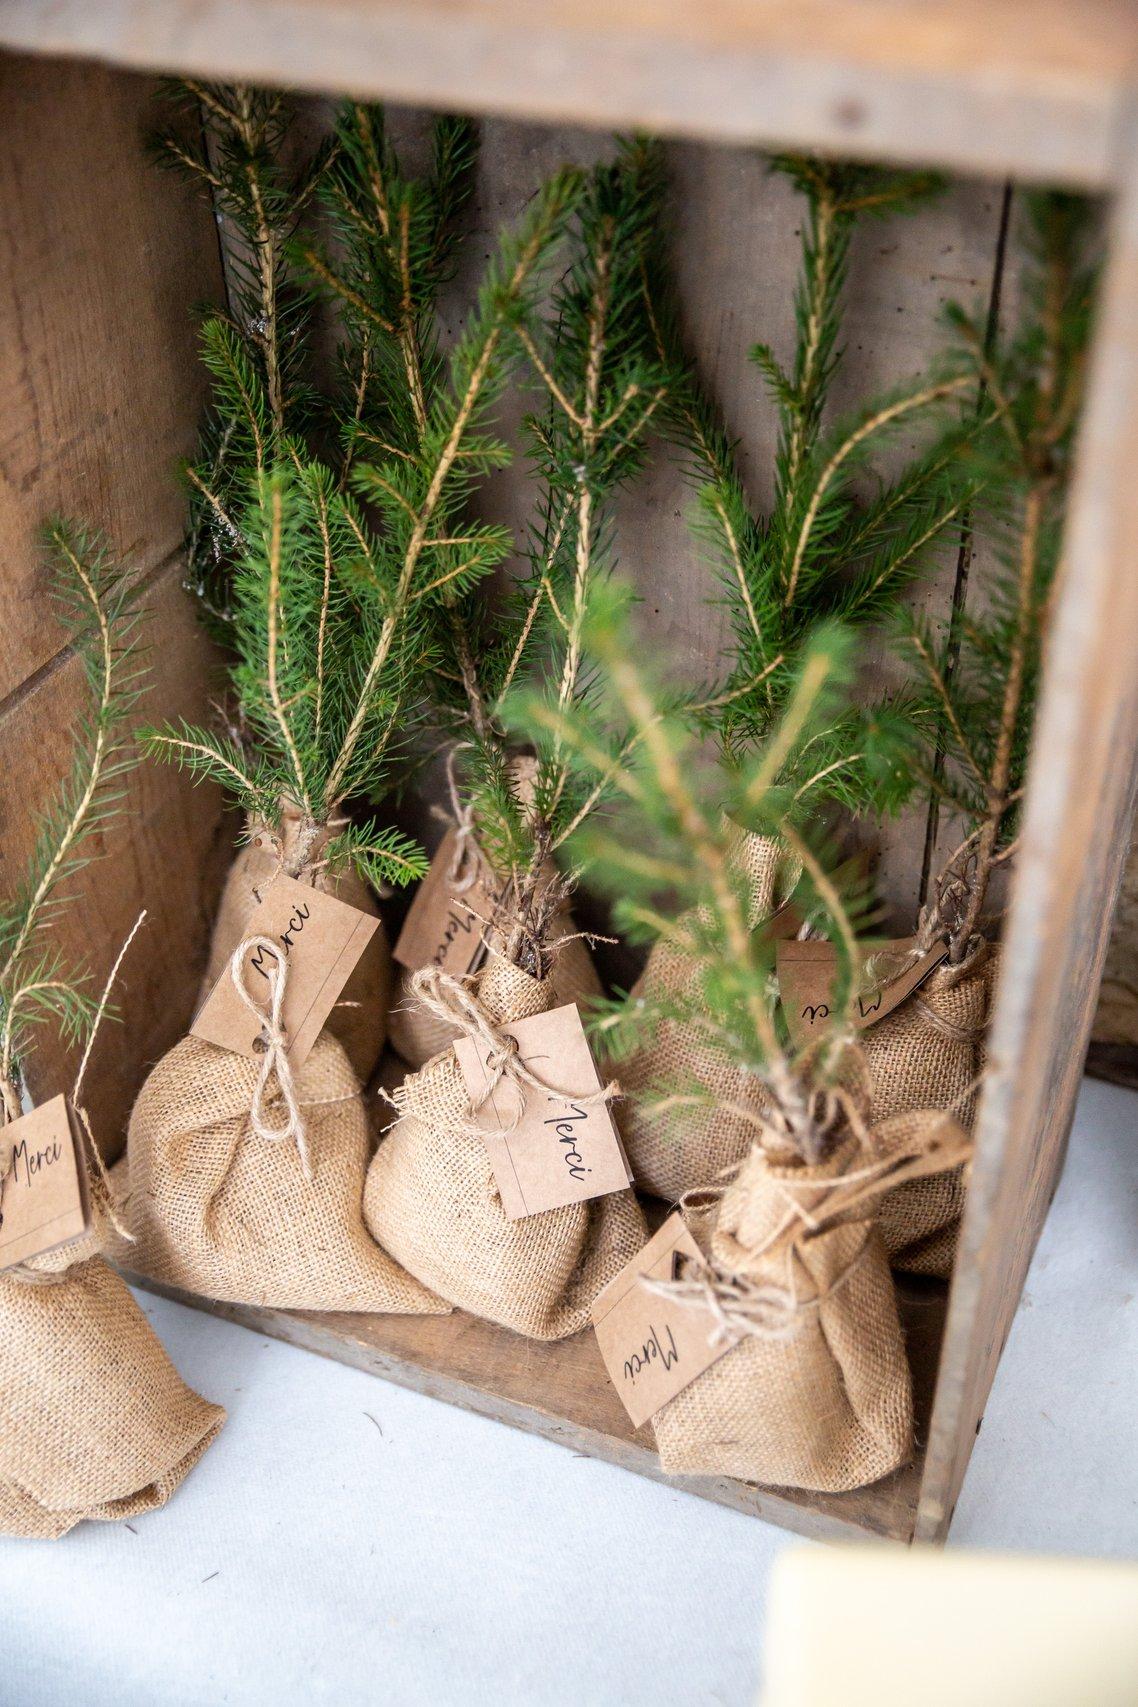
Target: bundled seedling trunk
<point>95,1422</point>
<point>820,553</point>
<point>974,704</point>
<point>432,1198</point>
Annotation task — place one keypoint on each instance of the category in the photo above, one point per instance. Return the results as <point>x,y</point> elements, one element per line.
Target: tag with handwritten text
<point>547,1147</point>
<point>444,928</point>
<point>806,973</point>
<point>321,940</point>
<point>43,1201</point>
<point>654,1346</point>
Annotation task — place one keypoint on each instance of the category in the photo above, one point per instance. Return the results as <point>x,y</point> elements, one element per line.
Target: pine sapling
<point>255,348</point>
<point>822,552</point>
<point>976,687</point>
<point>37,986</point>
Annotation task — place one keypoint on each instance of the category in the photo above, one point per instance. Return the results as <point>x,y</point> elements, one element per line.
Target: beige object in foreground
<point>857,1625</point>
<point>359,1019</point>
<point>929,1053</point>
<point>432,1202</point>
<point>817,1393</point>
<point>671,1154</point>
<point>220,1211</point>
<point>95,1421</point>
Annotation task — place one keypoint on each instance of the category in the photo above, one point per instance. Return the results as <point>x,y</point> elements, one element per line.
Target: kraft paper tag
<point>806,972</point>
<point>653,1347</point>
<point>562,1150</point>
<point>43,1202</point>
<point>321,939</point>
<point>442,928</point>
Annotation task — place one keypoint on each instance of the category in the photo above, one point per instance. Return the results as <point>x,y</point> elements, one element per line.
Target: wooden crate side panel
<point>165,851</point>
<point>1116,1020</point>
<point>1030,86</point>
<point>102,261</point>
<point>1079,811</point>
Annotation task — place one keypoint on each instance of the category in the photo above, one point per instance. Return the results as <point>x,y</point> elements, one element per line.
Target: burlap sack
<point>671,1155</point>
<point>816,1393</point>
<point>95,1421</point>
<point>432,1202</point>
<point>222,1212</point>
<point>929,1053</point>
<point>416,1034</point>
<point>359,1018</point>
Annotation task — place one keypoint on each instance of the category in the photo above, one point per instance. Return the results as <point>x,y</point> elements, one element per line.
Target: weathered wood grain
<point>1030,86</point>
<point>1077,819</point>
<point>563,1393</point>
<point>102,261</point>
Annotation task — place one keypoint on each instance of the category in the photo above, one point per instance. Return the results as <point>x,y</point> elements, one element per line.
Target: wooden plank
<point>1116,1022</point>
<point>166,851</point>
<point>1078,813</point>
<point>102,260</point>
<point>562,1393</point>
<point>1026,86</point>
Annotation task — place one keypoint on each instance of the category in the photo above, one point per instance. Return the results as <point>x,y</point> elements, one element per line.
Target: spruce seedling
<point>821,553</point>
<point>36,984</point>
<point>255,348</point>
<point>976,687</point>
<point>337,594</point>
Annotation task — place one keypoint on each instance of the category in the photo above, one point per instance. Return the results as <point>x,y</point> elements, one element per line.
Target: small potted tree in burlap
<point>974,698</point>
<point>431,1198</point>
<point>95,1422</point>
<point>264,415</point>
<point>819,552</point>
<point>593,355</point>
<point>332,611</point>
<point>812,1388</point>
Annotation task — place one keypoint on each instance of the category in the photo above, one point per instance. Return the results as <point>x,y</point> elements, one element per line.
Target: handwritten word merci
<point>565,1125</point>
<point>287,938</point>
<point>651,1351</point>
<point>458,923</point>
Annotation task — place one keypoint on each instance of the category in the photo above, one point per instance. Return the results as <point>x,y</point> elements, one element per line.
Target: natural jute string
<point>274,1062</point>
<point>451,1000</point>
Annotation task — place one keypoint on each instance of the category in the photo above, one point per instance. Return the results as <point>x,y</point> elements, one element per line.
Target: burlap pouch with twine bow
<point>245,1184</point>
<point>415,1030</point>
<point>359,1019</point>
<point>432,1202</point>
<point>670,1155</point>
<point>929,1053</point>
<point>95,1421</point>
<point>816,1391</point>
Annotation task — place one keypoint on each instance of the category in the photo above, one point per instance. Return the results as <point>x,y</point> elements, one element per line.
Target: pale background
<point>347,1541</point>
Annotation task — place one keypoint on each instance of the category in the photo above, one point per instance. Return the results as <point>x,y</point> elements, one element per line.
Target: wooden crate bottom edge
<point>561,1393</point>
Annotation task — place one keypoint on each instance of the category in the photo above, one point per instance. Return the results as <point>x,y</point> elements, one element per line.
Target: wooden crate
<point>103,261</point>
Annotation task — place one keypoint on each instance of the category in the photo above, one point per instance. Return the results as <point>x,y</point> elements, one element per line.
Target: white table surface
<point>350,1542</point>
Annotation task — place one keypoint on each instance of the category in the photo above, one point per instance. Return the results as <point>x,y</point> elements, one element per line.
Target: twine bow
<point>274,1061</point>
<point>454,1002</point>
<point>742,1301</point>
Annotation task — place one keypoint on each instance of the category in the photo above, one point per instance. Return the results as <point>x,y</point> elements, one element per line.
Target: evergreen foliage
<point>255,348</point>
<point>974,701</point>
<point>667,857</point>
<point>337,594</point>
<point>36,985</point>
<point>821,553</point>
<point>592,353</point>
